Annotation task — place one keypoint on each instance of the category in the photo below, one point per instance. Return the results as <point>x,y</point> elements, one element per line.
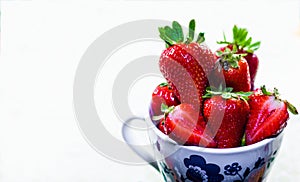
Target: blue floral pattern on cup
<point>232,169</point>
<point>200,171</point>
<point>235,168</point>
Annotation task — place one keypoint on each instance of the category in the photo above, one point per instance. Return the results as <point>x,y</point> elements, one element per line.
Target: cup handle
<point>139,151</point>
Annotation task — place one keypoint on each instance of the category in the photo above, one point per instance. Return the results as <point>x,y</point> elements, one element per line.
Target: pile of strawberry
<point>209,98</point>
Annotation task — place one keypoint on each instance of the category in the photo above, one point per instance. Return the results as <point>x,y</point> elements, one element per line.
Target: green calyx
<point>163,84</point>
<point>226,93</point>
<point>166,110</point>
<point>243,142</point>
<point>276,94</point>
<point>241,40</point>
<point>174,35</point>
<point>228,58</point>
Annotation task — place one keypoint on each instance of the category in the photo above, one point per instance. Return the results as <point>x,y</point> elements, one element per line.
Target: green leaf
<point>170,109</point>
<point>207,96</point>
<point>208,89</point>
<point>200,38</point>
<point>241,40</point>
<point>244,95</point>
<point>229,89</point>
<point>171,33</point>
<point>163,107</point>
<point>223,42</point>
<point>243,35</point>
<point>234,64</point>
<point>219,53</point>
<point>224,37</point>
<point>229,58</point>
<point>265,91</point>
<point>248,42</point>
<point>234,49</point>
<point>254,46</point>
<point>243,143</point>
<point>291,108</point>
<point>191,34</point>
<point>163,84</point>
<point>178,30</point>
<point>226,95</point>
<point>164,37</point>
<point>247,94</point>
<point>235,32</point>
<point>237,36</point>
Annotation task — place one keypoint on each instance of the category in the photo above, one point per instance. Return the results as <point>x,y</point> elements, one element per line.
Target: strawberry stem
<point>228,58</point>
<point>166,110</point>
<point>265,91</point>
<point>174,35</point>
<point>241,40</point>
<point>200,38</point>
<point>291,108</point>
<point>226,93</point>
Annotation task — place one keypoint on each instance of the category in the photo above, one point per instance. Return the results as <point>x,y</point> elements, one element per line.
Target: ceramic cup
<point>180,163</point>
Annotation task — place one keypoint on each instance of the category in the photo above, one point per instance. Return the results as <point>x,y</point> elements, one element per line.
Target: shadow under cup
<point>191,163</point>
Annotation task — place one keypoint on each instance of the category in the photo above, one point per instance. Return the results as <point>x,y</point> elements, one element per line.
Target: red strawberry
<point>163,94</point>
<point>185,64</point>
<point>226,114</point>
<point>235,70</point>
<point>253,62</point>
<point>244,45</point>
<point>183,124</point>
<point>268,115</point>
<point>202,54</point>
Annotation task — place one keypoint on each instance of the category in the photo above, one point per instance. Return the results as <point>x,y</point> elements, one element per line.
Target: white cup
<point>191,163</point>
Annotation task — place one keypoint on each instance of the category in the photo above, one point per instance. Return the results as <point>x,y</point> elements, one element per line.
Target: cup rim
<point>247,148</point>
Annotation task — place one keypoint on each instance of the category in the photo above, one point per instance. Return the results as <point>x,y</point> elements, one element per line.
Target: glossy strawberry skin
<point>202,54</point>
<point>253,63</point>
<point>185,74</point>
<point>267,117</point>
<point>228,128</point>
<point>163,94</point>
<point>185,126</point>
<point>237,78</point>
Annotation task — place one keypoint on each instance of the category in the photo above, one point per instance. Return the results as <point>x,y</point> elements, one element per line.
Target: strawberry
<point>186,64</point>
<point>244,45</point>
<point>268,115</point>
<point>253,61</point>
<point>183,124</point>
<point>226,114</point>
<point>234,68</point>
<point>163,94</point>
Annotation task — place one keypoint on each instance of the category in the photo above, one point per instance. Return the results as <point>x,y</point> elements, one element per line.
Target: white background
<point>42,43</point>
